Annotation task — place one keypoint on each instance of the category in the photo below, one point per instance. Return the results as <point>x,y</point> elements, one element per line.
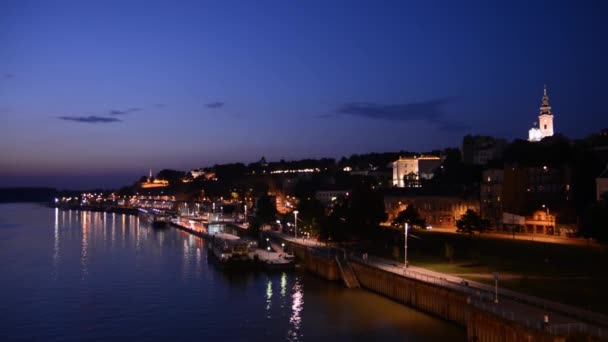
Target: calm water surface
<point>75,276</point>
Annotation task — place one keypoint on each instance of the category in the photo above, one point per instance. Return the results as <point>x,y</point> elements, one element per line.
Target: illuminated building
<point>491,195</point>
<point>327,197</point>
<point>521,193</point>
<point>436,210</point>
<point>154,183</point>
<point>408,172</point>
<point>545,121</point>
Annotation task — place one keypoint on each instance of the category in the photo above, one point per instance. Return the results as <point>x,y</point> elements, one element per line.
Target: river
<point>83,276</point>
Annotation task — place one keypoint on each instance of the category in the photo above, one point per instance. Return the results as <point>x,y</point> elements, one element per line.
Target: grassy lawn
<point>575,275</point>
<point>589,294</point>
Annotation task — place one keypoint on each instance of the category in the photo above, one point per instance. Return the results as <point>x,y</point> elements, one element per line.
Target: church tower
<point>545,118</point>
<point>545,121</point>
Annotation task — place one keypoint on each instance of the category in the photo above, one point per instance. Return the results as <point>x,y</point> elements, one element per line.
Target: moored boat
<point>229,249</point>
<point>156,218</point>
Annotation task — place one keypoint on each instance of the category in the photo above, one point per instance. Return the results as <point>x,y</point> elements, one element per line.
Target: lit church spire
<point>545,108</point>
<point>545,121</point>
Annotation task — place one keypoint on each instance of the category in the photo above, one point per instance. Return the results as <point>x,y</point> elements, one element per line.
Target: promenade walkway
<point>526,310</point>
<point>529,237</point>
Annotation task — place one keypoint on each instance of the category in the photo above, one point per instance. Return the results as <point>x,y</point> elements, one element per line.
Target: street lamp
<point>295,214</point>
<point>407,227</point>
<point>495,275</point>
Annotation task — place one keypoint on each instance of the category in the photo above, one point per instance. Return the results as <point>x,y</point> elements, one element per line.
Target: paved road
<point>529,237</point>
<point>525,309</point>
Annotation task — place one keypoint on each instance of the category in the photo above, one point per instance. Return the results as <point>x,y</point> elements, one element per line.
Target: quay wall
<point>484,326</point>
<point>442,302</point>
<point>315,262</point>
<point>448,304</point>
<point>439,301</point>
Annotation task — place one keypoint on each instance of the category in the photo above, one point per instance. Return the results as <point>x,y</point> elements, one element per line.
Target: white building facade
<point>407,172</point>
<point>545,121</point>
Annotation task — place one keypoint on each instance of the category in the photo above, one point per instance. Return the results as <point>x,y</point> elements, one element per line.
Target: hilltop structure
<point>152,182</point>
<point>545,121</point>
<point>408,172</point>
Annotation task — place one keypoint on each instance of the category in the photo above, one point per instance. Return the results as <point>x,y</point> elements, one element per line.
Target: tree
<point>595,220</point>
<point>470,222</point>
<point>266,210</point>
<point>411,216</point>
<point>172,176</point>
<point>311,214</point>
<point>365,211</point>
<point>334,228</point>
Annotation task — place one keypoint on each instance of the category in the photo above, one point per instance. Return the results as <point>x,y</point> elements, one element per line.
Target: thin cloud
<point>123,112</point>
<point>215,105</point>
<point>426,110</point>
<point>8,75</point>
<point>90,119</point>
<point>430,111</point>
<point>452,125</point>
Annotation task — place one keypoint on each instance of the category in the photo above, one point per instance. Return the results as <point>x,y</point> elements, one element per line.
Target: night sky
<point>96,93</point>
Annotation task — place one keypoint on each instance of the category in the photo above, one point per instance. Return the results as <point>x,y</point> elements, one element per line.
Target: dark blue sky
<point>95,93</point>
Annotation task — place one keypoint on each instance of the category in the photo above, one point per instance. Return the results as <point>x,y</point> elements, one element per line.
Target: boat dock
<point>269,259</point>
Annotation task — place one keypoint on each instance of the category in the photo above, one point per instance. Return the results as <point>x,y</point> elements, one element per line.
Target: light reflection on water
<point>296,308</point>
<point>85,244</point>
<point>283,284</point>
<point>268,298</point>
<point>56,247</point>
<point>141,283</point>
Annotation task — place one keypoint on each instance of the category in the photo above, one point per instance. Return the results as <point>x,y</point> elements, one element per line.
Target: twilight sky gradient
<point>93,93</point>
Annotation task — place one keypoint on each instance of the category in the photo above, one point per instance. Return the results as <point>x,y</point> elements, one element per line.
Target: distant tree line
<point>25,194</point>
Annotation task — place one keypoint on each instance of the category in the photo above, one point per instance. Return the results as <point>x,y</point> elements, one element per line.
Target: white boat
<point>228,247</point>
<point>157,218</point>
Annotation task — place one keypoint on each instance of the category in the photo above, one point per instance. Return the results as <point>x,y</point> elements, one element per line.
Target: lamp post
<point>295,214</point>
<point>407,226</point>
<point>495,274</point>
<point>267,247</point>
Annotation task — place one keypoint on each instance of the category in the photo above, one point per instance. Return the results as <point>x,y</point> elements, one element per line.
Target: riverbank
<point>471,305</point>
<point>78,276</point>
<point>108,209</point>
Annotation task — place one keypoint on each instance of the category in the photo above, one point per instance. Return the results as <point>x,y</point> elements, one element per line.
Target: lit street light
<point>495,274</point>
<point>407,226</point>
<point>295,214</point>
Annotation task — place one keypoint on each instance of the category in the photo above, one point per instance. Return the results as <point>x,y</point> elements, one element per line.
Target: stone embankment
<point>479,315</point>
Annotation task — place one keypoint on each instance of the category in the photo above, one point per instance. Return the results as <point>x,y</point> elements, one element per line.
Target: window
<point>545,126</point>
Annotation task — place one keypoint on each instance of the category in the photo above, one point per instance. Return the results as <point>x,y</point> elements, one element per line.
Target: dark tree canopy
<point>411,216</point>
<point>365,211</point>
<point>311,215</point>
<point>471,222</point>
<point>173,176</point>
<point>265,211</point>
<point>595,220</point>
